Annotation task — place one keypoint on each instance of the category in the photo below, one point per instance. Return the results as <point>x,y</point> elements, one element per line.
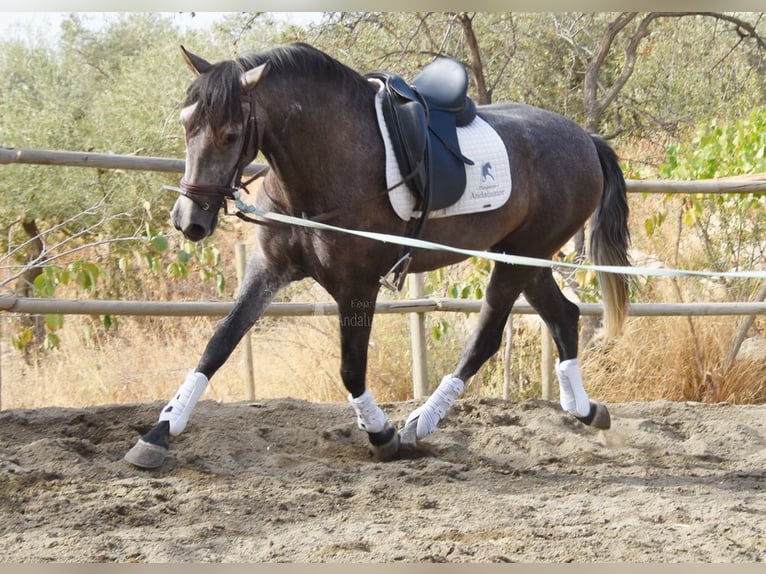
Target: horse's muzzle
<point>191,220</point>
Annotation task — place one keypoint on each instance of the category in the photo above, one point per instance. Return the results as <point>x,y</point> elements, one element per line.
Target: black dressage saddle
<point>422,118</point>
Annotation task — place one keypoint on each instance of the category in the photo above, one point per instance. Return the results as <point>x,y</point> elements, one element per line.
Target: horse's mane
<point>218,92</point>
<point>307,61</point>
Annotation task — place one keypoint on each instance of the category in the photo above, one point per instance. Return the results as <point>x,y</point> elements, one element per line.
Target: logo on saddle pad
<point>488,180</point>
<point>488,186</point>
<point>486,172</point>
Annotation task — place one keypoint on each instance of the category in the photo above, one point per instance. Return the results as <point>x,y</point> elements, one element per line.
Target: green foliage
<point>720,149</point>
<point>23,339</point>
<point>116,90</point>
<point>206,258</point>
<point>469,283</point>
<point>471,286</point>
<point>731,228</point>
<point>81,272</point>
<point>113,90</point>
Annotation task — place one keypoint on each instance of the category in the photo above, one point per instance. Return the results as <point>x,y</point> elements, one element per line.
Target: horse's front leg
<point>355,315</point>
<point>259,288</point>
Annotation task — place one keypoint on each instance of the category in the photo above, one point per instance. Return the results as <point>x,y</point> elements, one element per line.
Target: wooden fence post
<point>240,251</point>
<point>507,354</point>
<point>546,362</point>
<point>416,283</point>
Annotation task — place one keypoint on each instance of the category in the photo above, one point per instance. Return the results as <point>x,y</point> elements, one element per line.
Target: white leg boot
<point>384,438</point>
<point>180,407</point>
<point>369,416</point>
<point>572,395</point>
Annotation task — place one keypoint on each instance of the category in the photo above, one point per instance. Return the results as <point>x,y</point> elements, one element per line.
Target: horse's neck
<point>315,138</point>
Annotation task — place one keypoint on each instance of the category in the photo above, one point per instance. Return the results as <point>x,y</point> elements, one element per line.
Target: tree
<point>114,90</point>
<point>118,91</point>
<point>602,85</point>
<point>615,73</point>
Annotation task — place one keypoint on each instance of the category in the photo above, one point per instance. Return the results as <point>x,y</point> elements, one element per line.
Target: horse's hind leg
<point>562,317</point>
<point>504,287</point>
<point>259,288</point>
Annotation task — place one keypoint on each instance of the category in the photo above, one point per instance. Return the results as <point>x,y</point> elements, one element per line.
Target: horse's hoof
<point>409,433</point>
<point>598,417</point>
<point>146,455</point>
<point>385,445</point>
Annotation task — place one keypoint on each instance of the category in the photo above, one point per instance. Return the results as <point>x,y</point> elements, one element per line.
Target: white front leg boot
<point>179,409</point>
<point>384,438</point>
<point>369,416</point>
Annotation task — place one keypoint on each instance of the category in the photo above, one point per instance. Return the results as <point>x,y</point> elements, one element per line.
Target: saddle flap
<point>407,121</point>
<point>446,163</point>
<point>396,85</point>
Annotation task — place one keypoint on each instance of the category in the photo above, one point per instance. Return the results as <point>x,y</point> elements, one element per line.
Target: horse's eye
<point>230,139</point>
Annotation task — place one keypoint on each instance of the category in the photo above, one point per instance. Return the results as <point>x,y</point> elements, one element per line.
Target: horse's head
<point>221,139</point>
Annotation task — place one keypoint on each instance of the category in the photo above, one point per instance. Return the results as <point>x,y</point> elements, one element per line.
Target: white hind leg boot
<point>427,416</point>
<point>369,416</point>
<point>572,395</point>
<point>180,407</point>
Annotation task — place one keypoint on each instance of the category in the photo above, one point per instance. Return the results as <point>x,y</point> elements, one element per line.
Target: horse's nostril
<point>195,232</point>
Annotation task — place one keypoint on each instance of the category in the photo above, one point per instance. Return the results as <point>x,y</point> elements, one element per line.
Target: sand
<point>291,481</point>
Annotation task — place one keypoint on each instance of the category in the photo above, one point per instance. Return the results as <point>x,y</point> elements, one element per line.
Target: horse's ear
<point>197,64</point>
<point>251,78</point>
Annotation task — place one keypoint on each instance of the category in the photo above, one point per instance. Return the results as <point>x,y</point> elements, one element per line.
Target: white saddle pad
<point>488,181</point>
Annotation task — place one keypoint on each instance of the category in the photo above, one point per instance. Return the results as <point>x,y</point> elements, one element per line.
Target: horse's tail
<point>610,239</point>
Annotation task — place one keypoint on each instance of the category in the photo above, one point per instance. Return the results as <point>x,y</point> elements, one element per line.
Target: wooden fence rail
<point>44,306</point>
<point>417,306</point>
<point>744,184</point>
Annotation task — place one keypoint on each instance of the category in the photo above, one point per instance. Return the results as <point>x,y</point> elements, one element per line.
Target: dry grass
<point>660,358</point>
<point>146,359</point>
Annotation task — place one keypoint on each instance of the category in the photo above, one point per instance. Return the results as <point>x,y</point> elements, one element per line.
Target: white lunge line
<point>499,257</point>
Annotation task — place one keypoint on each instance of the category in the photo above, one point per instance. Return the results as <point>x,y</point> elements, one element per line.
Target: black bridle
<point>212,198</point>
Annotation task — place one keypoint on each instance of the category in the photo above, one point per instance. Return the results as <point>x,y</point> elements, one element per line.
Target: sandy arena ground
<point>291,481</point>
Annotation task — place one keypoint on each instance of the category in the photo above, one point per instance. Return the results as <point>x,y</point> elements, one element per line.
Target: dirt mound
<point>289,480</point>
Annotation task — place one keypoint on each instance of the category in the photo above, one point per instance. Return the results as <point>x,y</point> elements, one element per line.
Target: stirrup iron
<point>399,272</point>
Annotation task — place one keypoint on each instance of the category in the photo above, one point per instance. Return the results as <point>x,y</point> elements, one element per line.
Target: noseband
<point>212,197</point>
